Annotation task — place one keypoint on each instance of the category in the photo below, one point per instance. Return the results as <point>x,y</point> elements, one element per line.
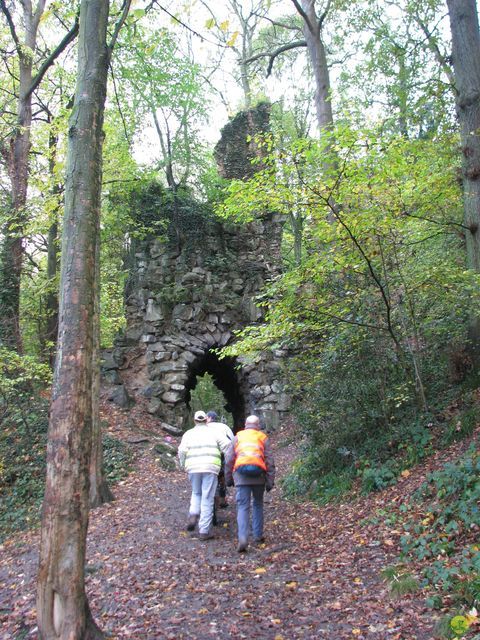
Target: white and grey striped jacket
<point>200,449</point>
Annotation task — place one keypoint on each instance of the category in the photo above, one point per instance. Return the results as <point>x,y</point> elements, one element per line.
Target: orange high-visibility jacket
<point>249,448</point>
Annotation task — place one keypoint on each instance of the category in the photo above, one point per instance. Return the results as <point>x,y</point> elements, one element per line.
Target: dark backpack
<point>250,470</point>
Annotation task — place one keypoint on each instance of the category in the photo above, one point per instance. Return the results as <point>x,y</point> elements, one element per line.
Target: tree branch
<point>37,16</point>
<point>119,25</point>
<point>321,19</point>
<point>70,36</point>
<point>119,106</point>
<point>439,57</point>
<point>304,16</point>
<point>353,322</point>
<point>185,26</point>
<point>285,47</point>
<point>10,22</point>
<point>280,24</point>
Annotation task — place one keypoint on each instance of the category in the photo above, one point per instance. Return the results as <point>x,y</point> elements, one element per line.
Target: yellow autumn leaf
<point>121,533</point>
<point>291,585</point>
<point>224,25</point>
<point>357,580</point>
<point>356,632</point>
<point>210,23</point>
<point>278,637</point>
<point>260,570</point>
<point>405,473</point>
<point>472,616</point>
<point>233,38</point>
<point>202,610</point>
<point>275,621</point>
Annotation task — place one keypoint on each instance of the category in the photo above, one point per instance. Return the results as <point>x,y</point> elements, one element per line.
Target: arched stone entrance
<point>189,292</point>
<point>228,377</point>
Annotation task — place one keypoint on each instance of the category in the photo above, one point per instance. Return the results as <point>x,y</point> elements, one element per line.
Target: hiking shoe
<point>192,522</point>
<point>242,546</point>
<point>205,536</point>
<point>259,540</point>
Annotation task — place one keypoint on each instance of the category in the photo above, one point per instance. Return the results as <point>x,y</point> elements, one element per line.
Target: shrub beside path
<point>317,575</point>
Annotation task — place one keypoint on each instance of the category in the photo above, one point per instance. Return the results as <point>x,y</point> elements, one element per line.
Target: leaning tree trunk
<point>466,65</point>
<point>62,605</point>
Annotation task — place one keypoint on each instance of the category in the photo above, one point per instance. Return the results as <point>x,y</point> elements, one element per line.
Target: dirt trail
<point>317,576</point>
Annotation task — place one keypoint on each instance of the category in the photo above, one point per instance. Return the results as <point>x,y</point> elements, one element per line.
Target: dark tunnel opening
<point>227,378</point>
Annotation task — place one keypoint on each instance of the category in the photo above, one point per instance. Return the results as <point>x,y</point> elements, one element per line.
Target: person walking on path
<point>249,464</point>
<point>221,493</point>
<point>199,454</point>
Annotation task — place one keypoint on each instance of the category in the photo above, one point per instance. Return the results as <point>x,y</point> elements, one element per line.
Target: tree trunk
<point>62,605</point>
<point>318,60</point>
<point>51,303</point>
<point>18,173</point>
<point>99,489</point>
<point>466,65</point>
<point>17,160</point>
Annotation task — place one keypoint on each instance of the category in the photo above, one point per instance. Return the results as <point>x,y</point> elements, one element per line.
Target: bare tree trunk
<point>466,64</point>
<point>312,31</point>
<point>62,605</point>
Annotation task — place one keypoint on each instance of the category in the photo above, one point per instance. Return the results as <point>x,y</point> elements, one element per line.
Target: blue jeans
<point>244,494</point>
<point>204,486</point>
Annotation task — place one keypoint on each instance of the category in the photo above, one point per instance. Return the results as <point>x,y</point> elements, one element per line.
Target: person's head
<point>212,416</point>
<point>252,422</point>
<point>200,417</point>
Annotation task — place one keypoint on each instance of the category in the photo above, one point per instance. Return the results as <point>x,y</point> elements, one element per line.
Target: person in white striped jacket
<point>199,454</point>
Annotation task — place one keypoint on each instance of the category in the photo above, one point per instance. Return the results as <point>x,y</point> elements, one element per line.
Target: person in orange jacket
<point>249,464</point>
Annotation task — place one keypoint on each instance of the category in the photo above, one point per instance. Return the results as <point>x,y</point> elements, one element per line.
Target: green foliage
<point>377,478</point>
<point>117,459</point>
<point>23,444</point>
<point>162,90</point>
<point>375,305</point>
<point>23,441</point>
<point>207,397</point>
<point>22,466</point>
<point>450,498</point>
<point>20,377</point>
<point>452,495</point>
<point>23,427</point>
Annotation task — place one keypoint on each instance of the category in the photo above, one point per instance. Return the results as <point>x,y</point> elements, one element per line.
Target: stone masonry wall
<point>183,305</point>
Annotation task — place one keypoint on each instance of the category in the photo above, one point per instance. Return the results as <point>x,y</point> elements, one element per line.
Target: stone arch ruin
<point>189,294</point>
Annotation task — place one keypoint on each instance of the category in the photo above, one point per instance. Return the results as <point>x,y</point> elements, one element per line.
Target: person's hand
<point>268,487</point>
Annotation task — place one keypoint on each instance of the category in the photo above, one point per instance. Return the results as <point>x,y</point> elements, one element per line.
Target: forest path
<point>317,576</point>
